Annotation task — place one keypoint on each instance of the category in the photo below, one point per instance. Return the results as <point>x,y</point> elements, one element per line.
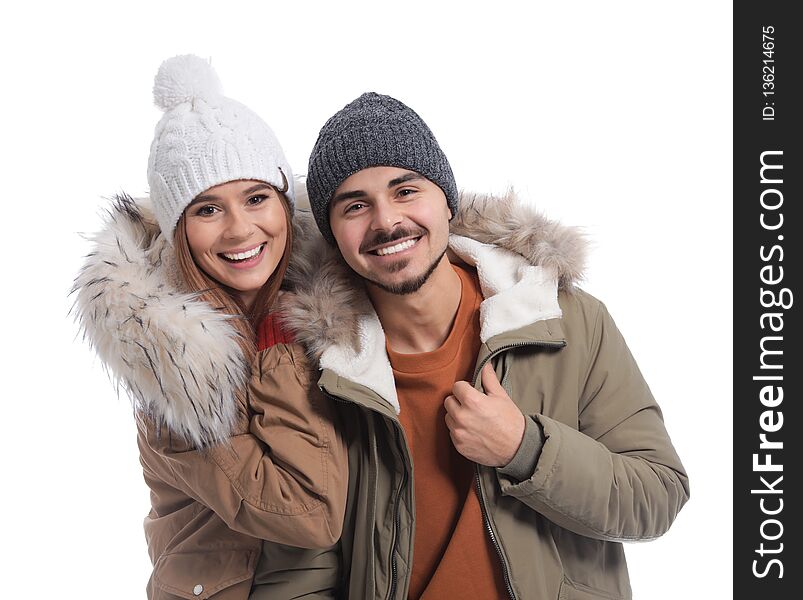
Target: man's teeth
<point>244,255</point>
<point>396,248</point>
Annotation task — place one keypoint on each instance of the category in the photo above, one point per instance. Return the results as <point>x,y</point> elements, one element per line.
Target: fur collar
<point>522,259</point>
<point>512,225</point>
<point>177,357</point>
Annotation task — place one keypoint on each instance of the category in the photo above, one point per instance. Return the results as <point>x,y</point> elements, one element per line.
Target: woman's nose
<point>238,225</point>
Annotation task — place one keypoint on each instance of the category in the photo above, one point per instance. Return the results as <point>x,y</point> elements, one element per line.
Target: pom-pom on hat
<point>205,139</point>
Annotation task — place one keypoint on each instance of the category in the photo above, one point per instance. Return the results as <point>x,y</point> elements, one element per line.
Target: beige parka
<point>224,474</point>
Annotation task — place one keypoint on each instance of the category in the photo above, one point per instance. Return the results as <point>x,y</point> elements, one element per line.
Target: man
<point>503,441</point>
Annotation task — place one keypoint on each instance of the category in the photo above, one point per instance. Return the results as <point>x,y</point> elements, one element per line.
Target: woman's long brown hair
<point>246,321</point>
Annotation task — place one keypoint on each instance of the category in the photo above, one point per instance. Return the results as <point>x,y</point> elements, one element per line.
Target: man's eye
<point>354,207</point>
<point>406,192</point>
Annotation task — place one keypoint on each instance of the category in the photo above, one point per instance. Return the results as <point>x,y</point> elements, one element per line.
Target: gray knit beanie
<point>373,131</point>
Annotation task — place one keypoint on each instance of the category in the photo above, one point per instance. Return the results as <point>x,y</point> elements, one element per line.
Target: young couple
<point>406,397</point>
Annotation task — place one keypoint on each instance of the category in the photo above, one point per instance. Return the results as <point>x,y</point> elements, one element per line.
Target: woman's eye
<point>259,199</point>
<point>206,211</point>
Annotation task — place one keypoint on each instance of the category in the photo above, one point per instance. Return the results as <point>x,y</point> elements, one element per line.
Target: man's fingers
<point>490,382</point>
<point>461,389</point>
<point>451,404</point>
<point>450,422</point>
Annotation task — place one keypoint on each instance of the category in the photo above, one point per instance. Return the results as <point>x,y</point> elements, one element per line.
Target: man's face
<point>391,225</point>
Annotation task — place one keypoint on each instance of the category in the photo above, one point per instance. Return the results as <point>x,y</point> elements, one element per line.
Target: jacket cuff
<point>522,465</point>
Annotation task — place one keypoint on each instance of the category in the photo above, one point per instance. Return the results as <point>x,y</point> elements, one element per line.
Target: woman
<point>237,444</point>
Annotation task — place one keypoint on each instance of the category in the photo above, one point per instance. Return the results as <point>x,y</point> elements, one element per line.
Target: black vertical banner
<point>768,426</point>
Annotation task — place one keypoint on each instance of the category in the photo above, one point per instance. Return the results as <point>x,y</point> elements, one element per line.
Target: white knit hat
<point>205,139</point>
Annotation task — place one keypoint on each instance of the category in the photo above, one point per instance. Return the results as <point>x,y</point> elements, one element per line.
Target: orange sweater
<point>453,557</point>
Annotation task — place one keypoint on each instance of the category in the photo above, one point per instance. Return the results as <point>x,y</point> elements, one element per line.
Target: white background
<point>616,116</point>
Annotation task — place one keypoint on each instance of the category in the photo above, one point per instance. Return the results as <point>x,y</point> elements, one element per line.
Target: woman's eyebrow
<point>212,197</point>
<point>255,188</point>
<point>203,198</point>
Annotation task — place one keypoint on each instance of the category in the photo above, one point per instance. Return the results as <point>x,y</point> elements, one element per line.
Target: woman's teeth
<point>396,248</point>
<point>243,255</point>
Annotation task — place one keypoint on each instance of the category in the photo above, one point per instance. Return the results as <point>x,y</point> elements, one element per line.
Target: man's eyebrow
<point>361,194</point>
<point>404,179</point>
<point>212,197</point>
<point>342,197</point>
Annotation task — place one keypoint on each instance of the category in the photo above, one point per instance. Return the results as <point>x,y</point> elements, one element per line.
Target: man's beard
<point>411,285</point>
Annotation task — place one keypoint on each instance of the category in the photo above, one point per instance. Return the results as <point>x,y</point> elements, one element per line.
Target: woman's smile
<point>244,259</point>
<point>237,232</point>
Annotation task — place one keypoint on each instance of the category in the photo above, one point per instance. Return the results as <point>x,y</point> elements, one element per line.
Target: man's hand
<point>486,428</point>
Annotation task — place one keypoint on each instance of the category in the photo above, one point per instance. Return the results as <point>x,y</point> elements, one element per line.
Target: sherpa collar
<point>521,257</point>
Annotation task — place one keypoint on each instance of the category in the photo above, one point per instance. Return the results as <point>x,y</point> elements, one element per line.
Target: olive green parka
<point>596,467</point>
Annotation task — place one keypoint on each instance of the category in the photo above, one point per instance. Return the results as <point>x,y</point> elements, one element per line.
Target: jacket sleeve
<point>617,477</point>
<point>283,475</point>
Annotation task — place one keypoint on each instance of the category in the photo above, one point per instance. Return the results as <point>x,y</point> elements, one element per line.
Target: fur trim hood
<point>510,224</point>
<point>328,297</point>
<point>177,357</point>
<point>522,259</point>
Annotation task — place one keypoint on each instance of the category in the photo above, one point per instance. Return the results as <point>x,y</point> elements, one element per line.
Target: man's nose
<point>386,216</point>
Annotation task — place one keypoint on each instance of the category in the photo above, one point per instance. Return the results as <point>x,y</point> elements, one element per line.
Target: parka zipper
<point>486,517</point>
<point>483,508</point>
<point>487,521</point>
<point>501,349</point>
<point>397,511</point>
<point>396,525</point>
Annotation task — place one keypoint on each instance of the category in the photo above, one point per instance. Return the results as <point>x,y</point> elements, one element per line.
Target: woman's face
<point>237,232</point>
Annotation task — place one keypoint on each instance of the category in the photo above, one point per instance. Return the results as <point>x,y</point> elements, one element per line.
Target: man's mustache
<point>383,237</point>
